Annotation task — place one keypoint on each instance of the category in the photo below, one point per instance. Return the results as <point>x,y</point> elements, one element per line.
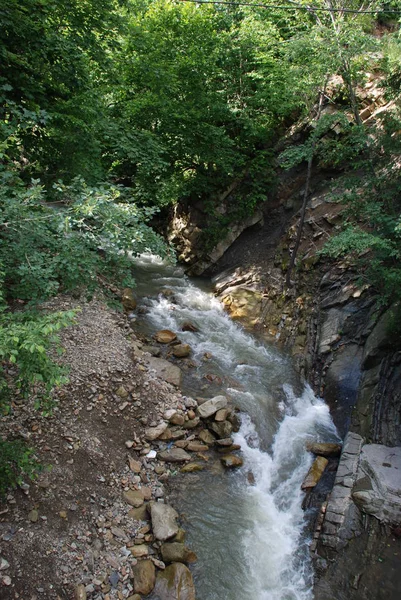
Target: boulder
<point>144,577</point>
<point>140,513</point>
<point>174,455</point>
<point>207,437</point>
<point>223,429</point>
<point>164,370</point>
<point>152,433</point>
<point>197,447</point>
<point>377,490</point>
<point>314,473</point>
<point>210,407</point>
<point>177,419</point>
<point>177,552</point>
<point>134,497</point>
<point>164,521</point>
<point>165,336</point>
<point>128,299</point>
<point>139,550</point>
<point>175,583</point>
<point>324,449</point>
<point>230,461</point>
<point>182,350</point>
<point>221,414</point>
<point>192,423</point>
<point>191,468</point>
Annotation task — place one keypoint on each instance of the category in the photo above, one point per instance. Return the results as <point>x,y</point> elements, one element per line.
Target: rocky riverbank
<point>97,522</point>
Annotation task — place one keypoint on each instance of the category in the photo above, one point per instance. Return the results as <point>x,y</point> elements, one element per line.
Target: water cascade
<point>247,526</point>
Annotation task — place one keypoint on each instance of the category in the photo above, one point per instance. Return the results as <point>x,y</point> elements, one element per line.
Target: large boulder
<point>181,350</point>
<point>144,577</point>
<point>164,521</point>
<point>223,429</point>
<point>210,407</point>
<point>177,552</point>
<point>175,583</point>
<point>377,490</point>
<point>164,370</point>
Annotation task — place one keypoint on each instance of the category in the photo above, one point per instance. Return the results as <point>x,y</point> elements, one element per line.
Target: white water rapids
<point>250,539</point>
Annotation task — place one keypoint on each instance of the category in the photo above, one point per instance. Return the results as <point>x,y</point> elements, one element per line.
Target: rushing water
<point>250,538</point>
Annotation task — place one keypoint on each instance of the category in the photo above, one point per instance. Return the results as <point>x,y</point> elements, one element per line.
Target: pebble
<point>4,564</point>
<point>6,580</point>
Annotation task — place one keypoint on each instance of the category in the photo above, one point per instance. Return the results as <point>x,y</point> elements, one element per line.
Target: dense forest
<point>112,110</point>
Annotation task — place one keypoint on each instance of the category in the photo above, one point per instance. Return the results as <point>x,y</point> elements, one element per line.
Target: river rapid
<point>246,526</point>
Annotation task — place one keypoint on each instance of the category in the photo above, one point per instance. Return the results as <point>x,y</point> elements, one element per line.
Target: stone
<point>230,461</point>
<point>210,407</point>
<point>192,423</point>
<point>121,392</point>
<point>140,550</point>
<point>152,433</point>
<point>165,336</point>
<point>33,516</point>
<point>164,521</point>
<point>207,437</point>
<point>134,465</point>
<point>377,490</point>
<point>188,326</point>
<point>225,442</point>
<point>144,573</point>
<point>221,414</point>
<point>381,338</point>
<point>182,350</point>
<point>140,513</point>
<point>324,449</point>
<point>177,552</point>
<point>197,447</point>
<point>134,597</point>
<point>331,327</point>
<point>80,592</point>
<point>134,498</point>
<point>191,468</point>
<point>175,583</point>
<point>164,370</point>
<point>128,299</point>
<point>314,473</point>
<point>177,419</point>
<point>223,429</point>
<point>174,455</point>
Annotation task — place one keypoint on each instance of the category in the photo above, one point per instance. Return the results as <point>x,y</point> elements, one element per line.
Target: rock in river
<point>210,407</point>
<point>182,350</point>
<point>175,583</point>
<point>324,449</point>
<point>177,552</point>
<point>165,336</point>
<point>230,461</point>
<point>314,473</point>
<point>164,521</point>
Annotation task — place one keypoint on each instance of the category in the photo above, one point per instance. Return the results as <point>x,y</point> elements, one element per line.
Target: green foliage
<point>17,463</point>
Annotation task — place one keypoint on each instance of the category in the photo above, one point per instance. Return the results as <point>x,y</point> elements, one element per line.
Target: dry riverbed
<point>96,523</point>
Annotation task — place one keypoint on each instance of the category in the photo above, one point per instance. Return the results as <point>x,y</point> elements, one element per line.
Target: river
<point>247,527</point>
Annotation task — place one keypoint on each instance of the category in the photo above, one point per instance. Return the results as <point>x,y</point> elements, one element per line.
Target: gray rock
<point>164,521</point>
<point>174,455</point>
<point>165,370</point>
<point>175,583</point>
<point>152,433</point>
<point>377,490</point>
<point>210,407</point>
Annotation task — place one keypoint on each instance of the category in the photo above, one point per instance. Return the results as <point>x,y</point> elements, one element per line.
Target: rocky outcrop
<point>188,229</point>
<point>377,490</point>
